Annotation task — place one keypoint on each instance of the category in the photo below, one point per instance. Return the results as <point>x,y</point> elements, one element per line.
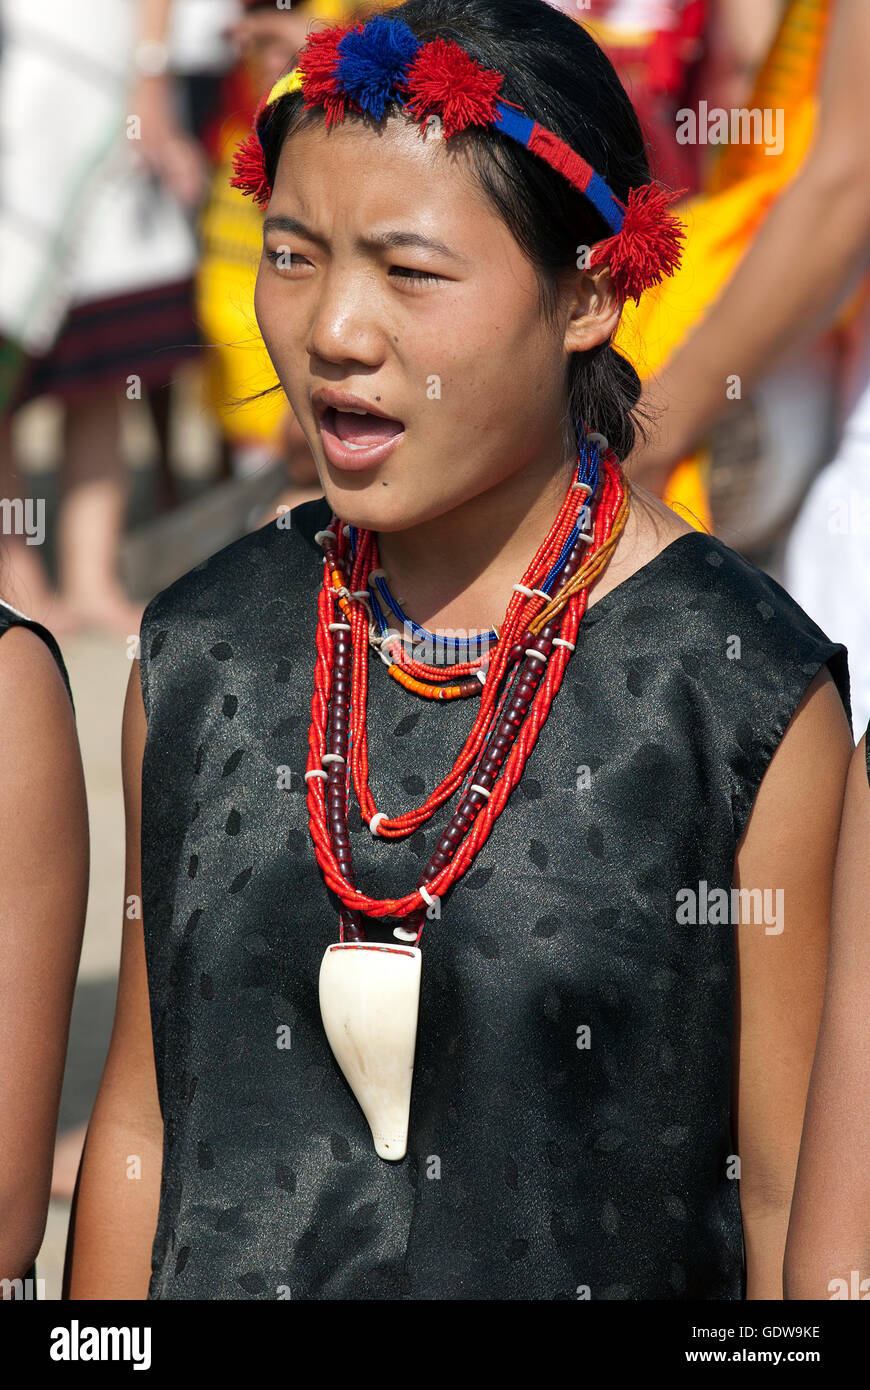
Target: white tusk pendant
<point>370,1003</point>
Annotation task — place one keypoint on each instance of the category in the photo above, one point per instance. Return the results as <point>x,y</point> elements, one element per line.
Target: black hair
<point>553,68</point>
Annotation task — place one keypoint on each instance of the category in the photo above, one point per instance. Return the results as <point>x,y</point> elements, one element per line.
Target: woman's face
<point>386,275</point>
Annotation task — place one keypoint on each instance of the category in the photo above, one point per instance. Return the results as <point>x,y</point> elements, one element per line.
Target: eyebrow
<point>391,239</point>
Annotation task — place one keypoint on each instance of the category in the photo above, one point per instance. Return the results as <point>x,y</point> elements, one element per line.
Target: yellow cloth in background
<point>231,228</point>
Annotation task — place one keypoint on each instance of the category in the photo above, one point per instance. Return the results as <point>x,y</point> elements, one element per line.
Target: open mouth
<point>360,429</point>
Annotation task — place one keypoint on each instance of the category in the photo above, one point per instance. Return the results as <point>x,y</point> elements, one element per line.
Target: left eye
<point>406,272</point>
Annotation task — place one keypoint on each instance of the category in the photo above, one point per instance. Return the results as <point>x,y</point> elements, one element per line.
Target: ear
<point>593,310</point>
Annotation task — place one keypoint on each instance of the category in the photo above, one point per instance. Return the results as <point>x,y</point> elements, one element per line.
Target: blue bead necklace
<point>587,475</point>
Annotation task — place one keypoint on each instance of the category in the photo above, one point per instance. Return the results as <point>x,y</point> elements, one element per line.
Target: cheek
<point>501,358</point>
<point>270,306</point>
<point>274,323</point>
<point>263,303</point>
<point>498,333</point>
<point>456,354</point>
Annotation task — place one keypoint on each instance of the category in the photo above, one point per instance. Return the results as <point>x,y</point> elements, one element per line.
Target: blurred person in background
<point>95,224</point>
<point>200,52</point>
<point>805,269</point>
<point>657,48</point>
<point>256,424</point>
<point>827,557</point>
<point>671,54</point>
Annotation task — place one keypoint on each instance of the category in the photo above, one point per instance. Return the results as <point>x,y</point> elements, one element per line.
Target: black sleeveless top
<point>538,1167</point>
<point>12,617</point>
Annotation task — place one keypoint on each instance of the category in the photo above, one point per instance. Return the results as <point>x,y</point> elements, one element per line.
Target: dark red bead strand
<point>610,501</point>
<point>351,928</point>
<point>332,679</point>
<point>506,731</point>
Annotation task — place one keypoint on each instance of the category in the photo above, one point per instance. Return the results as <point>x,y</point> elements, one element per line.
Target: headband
<point>367,67</point>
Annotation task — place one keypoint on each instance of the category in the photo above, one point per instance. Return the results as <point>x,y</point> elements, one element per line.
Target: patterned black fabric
<point>538,1167</point>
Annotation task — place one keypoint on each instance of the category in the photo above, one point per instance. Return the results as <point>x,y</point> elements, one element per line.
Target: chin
<point>364,502</point>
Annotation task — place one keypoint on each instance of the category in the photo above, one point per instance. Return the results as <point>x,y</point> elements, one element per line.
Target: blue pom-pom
<point>372,62</point>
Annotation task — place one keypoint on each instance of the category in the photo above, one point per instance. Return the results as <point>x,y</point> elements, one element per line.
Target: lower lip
<point>341,455</point>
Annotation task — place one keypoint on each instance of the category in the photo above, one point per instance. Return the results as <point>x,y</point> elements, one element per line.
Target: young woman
<point>43,895</point>
<point>611,1069</point>
<point>828,1249</point>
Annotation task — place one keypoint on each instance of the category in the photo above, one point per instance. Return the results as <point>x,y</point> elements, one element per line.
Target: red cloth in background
<point>660,77</point>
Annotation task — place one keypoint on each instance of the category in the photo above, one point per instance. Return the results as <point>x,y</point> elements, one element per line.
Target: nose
<point>345,325</point>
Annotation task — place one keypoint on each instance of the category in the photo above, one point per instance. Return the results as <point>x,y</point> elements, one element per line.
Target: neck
<point>457,570</point>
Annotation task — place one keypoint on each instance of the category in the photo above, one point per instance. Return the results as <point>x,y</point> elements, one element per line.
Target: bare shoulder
<point>33,696</point>
<point>43,807</point>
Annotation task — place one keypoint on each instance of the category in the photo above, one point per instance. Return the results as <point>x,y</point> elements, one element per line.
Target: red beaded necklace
<point>341,683</point>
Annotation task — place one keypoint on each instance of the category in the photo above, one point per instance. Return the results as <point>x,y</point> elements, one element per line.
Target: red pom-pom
<point>648,245</point>
<point>319,60</point>
<point>250,170</point>
<point>444,81</point>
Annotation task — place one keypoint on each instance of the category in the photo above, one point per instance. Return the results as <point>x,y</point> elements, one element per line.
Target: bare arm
<point>789,845</point>
<point>740,33</point>
<point>115,1214</point>
<point>43,895</point>
<point>810,253</point>
<point>829,1231</point>
<point>166,147</point>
